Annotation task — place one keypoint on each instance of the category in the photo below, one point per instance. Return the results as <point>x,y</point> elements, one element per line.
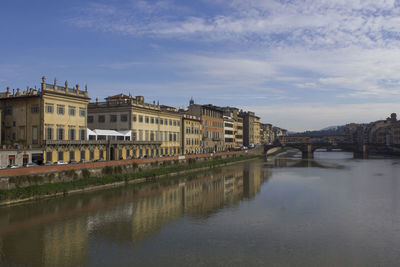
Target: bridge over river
<point>308,144</point>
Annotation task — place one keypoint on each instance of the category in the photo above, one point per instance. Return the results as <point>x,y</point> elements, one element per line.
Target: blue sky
<point>298,64</point>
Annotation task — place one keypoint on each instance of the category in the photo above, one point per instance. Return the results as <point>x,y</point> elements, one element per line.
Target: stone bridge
<point>308,144</point>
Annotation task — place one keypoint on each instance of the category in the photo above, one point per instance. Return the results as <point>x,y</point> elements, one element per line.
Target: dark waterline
<point>330,211</point>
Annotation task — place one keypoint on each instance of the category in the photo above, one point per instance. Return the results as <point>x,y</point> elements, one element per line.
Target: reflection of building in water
<point>152,212</point>
<point>157,206</point>
<point>252,178</point>
<point>57,234</point>
<point>67,242</point>
<point>203,197</point>
<point>58,244</point>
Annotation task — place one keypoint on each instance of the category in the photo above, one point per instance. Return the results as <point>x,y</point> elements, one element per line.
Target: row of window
<point>60,132</point>
<point>215,124</point>
<point>192,142</point>
<point>60,109</point>
<point>212,113</point>
<point>214,135</point>
<point>155,120</point>
<point>193,131</point>
<point>146,135</point>
<point>112,118</point>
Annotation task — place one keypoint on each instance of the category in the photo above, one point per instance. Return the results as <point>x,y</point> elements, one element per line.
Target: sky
<point>300,65</point>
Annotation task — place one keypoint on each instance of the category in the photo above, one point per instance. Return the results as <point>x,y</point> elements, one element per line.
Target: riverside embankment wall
<point>22,177</point>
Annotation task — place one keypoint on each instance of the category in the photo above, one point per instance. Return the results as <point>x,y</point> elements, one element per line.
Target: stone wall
<point>11,178</point>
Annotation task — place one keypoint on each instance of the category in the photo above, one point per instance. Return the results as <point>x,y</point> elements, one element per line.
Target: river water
<point>330,211</point>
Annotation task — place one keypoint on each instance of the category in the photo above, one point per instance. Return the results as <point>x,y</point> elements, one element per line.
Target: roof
<point>119,96</point>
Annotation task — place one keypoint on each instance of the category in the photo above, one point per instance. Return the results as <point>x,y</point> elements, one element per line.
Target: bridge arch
<point>308,149</point>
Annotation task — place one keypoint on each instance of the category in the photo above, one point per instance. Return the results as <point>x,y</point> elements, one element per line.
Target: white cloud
<point>308,116</point>
<point>311,23</point>
<point>347,49</point>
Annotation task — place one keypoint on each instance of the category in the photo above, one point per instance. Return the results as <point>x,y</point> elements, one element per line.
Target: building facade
<point>237,125</point>
<point>251,128</point>
<point>191,134</point>
<point>45,120</point>
<point>229,134</point>
<point>156,130</point>
<point>212,126</point>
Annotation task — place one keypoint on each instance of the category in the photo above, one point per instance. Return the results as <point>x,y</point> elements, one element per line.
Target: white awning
<point>102,132</point>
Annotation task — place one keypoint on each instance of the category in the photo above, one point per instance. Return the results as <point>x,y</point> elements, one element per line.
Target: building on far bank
<point>382,132</point>
<point>229,135</point>
<point>212,126</point>
<point>237,125</point>
<point>44,123</point>
<point>156,130</point>
<point>191,134</point>
<point>251,128</point>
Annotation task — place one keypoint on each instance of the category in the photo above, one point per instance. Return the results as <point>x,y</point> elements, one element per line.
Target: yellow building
<point>48,118</point>
<point>191,134</point>
<point>155,129</point>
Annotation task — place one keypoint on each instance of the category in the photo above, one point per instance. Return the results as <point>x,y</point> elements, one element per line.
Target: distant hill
<point>331,130</point>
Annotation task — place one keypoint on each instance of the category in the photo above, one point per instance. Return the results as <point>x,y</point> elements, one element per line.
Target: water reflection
<point>57,232</point>
<point>295,162</point>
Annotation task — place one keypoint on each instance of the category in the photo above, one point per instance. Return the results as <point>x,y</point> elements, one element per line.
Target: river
<point>330,211</point>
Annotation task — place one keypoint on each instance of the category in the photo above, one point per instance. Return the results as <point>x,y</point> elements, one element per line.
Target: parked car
<point>14,166</point>
<point>73,162</point>
<point>83,161</point>
<point>48,163</point>
<point>61,162</point>
<point>32,164</point>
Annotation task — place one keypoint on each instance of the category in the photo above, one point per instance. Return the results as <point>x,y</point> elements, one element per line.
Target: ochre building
<point>45,120</point>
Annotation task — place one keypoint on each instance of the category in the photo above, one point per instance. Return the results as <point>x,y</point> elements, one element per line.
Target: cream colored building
<point>251,128</point>
<point>50,118</point>
<point>237,125</point>
<point>156,130</point>
<point>191,134</point>
<point>229,134</point>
